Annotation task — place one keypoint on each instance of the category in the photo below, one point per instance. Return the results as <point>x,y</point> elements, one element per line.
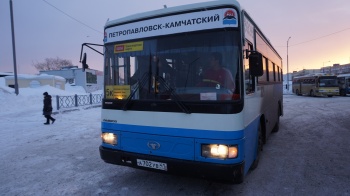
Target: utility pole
<point>14,49</point>
<point>287,66</point>
<point>323,65</point>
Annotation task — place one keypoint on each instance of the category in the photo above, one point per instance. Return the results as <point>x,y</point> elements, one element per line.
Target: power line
<point>320,37</point>
<point>72,17</point>
<point>316,38</point>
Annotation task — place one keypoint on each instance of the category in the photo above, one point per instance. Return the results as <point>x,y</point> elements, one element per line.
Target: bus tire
<point>297,92</point>
<point>276,128</point>
<point>342,92</point>
<point>258,149</point>
<point>312,94</point>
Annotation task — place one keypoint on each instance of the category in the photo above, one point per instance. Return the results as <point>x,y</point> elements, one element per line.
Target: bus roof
<point>172,10</point>
<point>344,75</point>
<point>315,75</point>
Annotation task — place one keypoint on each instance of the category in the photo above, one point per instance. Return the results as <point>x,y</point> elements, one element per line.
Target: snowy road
<point>310,155</point>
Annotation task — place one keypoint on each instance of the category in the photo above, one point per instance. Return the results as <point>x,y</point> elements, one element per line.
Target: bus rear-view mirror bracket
<point>83,57</point>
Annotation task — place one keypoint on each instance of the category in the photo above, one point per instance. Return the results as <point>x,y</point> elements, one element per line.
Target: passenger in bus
<point>216,75</point>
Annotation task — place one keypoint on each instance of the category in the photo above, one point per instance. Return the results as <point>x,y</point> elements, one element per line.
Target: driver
<point>216,75</point>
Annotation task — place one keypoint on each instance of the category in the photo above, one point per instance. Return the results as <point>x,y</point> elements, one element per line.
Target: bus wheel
<point>276,128</point>
<point>312,94</point>
<point>259,148</point>
<point>342,92</point>
<point>297,92</point>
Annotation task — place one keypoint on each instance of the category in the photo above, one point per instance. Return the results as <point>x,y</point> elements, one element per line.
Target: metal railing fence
<point>77,100</point>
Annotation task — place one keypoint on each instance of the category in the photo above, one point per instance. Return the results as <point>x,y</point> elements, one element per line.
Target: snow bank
<point>32,98</point>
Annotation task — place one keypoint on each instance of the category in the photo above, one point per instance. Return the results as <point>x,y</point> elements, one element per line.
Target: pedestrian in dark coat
<point>47,110</point>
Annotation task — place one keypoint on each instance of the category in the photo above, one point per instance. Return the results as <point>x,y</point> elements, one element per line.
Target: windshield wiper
<point>140,84</point>
<point>174,95</point>
<point>146,77</point>
<point>189,66</point>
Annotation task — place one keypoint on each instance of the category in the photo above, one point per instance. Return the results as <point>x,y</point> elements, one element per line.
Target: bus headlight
<point>109,138</point>
<point>219,151</point>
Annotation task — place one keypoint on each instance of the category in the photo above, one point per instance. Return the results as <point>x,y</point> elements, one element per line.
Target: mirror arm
<point>88,45</point>
<point>247,53</point>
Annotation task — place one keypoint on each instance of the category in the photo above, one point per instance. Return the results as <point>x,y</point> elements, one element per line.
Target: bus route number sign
<point>117,91</point>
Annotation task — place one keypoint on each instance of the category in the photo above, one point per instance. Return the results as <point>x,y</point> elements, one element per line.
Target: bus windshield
<point>200,66</point>
<point>328,81</point>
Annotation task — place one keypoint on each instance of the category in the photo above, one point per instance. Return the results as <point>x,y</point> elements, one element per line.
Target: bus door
<point>300,86</point>
<point>342,86</point>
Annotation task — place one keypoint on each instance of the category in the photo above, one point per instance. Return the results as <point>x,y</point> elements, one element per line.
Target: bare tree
<point>52,64</point>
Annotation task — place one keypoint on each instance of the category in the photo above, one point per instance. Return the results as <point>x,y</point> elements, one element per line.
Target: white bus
<point>344,84</point>
<point>193,89</point>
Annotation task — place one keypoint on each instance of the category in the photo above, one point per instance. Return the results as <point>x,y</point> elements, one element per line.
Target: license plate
<point>152,164</point>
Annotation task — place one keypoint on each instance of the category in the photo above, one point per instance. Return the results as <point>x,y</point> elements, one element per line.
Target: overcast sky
<point>319,29</point>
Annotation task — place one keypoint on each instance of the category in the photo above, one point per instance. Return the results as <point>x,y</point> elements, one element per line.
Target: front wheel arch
<point>259,148</point>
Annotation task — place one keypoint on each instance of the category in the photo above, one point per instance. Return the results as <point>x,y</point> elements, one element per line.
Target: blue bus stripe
<point>180,132</point>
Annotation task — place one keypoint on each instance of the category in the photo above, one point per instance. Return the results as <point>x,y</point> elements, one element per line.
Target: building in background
<point>305,72</point>
<point>32,81</point>
<point>3,74</point>
<point>91,80</point>
<point>336,69</point>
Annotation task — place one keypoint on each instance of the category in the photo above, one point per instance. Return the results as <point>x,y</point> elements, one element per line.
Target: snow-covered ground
<point>35,150</point>
<point>308,156</point>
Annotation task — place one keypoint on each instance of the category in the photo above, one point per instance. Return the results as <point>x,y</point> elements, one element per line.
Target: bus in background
<point>316,85</point>
<point>193,89</point>
<point>344,84</point>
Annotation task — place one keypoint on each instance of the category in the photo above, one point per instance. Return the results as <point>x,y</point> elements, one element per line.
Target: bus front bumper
<point>214,171</point>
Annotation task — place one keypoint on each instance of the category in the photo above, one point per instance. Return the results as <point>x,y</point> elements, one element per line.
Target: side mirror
<point>256,64</point>
<point>83,63</point>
